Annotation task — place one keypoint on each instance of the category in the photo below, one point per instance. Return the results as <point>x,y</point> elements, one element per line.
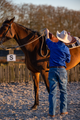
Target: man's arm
<point>68,56</point>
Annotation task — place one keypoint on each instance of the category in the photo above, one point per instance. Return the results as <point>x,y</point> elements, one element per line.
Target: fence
<point>74,74</point>
<point>14,72</point>
<point>18,72</point>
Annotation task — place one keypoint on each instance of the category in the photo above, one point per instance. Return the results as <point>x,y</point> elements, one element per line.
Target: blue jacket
<point>59,53</point>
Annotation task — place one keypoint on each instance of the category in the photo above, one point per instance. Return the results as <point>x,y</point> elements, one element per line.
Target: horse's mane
<point>35,32</point>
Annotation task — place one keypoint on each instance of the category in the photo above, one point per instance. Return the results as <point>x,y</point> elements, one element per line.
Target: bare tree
<point>38,17</point>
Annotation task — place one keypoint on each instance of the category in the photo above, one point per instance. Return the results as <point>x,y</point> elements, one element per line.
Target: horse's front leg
<point>36,89</point>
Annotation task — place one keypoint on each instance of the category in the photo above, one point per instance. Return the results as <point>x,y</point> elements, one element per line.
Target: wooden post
<point>68,75</point>
<point>17,72</point>
<point>7,73</point>
<point>72,75</point>
<point>1,74</point>
<point>23,72</point>
<point>78,72</point>
<point>11,68</point>
<point>27,74</point>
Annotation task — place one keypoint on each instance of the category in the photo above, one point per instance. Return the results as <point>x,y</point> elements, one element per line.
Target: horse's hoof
<point>34,107</point>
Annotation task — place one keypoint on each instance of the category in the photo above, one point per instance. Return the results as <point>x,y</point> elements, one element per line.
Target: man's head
<point>53,38</point>
<point>64,37</point>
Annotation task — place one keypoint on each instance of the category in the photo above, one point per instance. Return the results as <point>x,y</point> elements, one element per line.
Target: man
<point>59,54</point>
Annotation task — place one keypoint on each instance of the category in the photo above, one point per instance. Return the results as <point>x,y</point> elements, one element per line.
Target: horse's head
<point>6,30</point>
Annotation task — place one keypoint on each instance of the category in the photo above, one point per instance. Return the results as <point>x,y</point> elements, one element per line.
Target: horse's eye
<point>4,28</point>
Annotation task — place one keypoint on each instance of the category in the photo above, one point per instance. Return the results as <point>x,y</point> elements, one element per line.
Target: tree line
<point>38,17</point>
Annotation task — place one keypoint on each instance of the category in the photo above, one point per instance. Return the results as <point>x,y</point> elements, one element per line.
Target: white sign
<point>11,57</point>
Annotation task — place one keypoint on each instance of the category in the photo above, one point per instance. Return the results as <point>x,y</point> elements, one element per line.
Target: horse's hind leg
<point>36,89</point>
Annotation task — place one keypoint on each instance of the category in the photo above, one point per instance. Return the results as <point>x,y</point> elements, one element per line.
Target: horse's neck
<point>25,36</point>
<point>20,31</point>
<point>22,34</point>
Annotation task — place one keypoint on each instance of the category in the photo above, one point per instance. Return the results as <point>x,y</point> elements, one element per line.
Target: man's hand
<point>47,33</point>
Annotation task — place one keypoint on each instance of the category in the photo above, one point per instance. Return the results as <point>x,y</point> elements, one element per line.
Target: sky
<point>70,4</point>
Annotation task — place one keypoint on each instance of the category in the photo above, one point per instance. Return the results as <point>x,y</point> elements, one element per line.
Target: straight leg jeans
<point>57,76</point>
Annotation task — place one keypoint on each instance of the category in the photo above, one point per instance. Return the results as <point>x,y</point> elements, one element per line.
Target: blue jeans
<point>57,75</point>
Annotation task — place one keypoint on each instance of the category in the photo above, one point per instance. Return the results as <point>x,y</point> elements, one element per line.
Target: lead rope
<point>6,48</point>
<point>43,39</point>
<point>41,48</point>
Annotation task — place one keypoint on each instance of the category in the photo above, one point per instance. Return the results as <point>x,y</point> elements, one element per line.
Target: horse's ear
<point>6,19</point>
<point>11,20</point>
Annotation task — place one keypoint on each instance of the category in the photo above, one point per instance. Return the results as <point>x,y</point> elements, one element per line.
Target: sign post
<point>11,57</point>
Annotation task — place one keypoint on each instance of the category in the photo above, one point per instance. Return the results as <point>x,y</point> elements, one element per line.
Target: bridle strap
<point>6,32</point>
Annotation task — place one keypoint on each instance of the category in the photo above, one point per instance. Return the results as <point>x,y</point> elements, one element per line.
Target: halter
<point>2,46</point>
<point>6,32</point>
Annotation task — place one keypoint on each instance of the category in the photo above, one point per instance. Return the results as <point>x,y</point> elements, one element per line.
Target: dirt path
<point>16,100</point>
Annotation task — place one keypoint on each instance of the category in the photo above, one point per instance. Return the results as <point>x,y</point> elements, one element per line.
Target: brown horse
<point>33,59</point>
